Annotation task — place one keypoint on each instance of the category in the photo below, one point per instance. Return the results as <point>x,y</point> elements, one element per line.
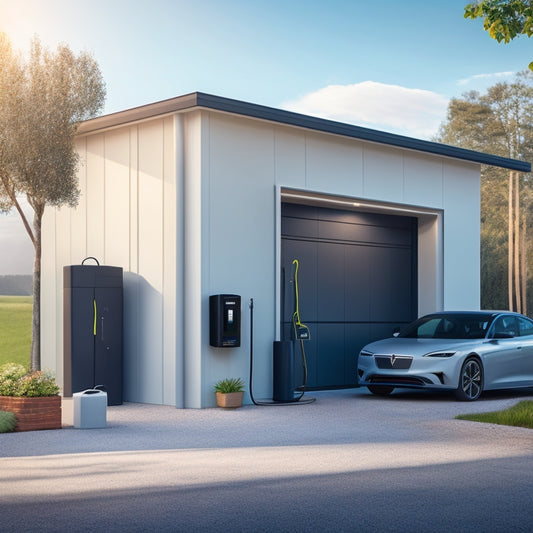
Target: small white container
<point>90,409</point>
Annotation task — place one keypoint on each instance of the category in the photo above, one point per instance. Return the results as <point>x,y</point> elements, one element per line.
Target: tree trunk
<point>517,251</point>
<point>36,316</point>
<point>523,265</point>
<point>510,255</point>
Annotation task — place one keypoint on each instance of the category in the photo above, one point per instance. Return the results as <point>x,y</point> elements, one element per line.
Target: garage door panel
<point>390,279</point>
<point>357,285</point>
<point>306,253</point>
<point>300,227</point>
<point>356,336</point>
<point>330,357</point>
<point>330,278</point>
<point>358,233</point>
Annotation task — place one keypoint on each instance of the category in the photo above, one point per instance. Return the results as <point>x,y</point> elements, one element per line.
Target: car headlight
<point>366,352</point>
<point>439,354</point>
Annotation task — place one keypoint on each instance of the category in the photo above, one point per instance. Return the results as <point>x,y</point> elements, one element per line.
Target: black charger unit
<point>225,320</point>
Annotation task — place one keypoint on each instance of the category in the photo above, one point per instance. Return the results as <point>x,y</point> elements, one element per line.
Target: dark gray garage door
<point>357,281</point>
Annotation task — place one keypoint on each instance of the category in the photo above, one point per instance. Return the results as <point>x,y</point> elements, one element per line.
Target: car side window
<point>525,326</point>
<point>505,327</point>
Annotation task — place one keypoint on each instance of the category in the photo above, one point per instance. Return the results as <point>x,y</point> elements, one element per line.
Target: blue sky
<point>390,65</point>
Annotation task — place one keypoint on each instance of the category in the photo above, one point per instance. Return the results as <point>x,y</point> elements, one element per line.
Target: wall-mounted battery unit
<point>225,320</point>
<point>92,330</point>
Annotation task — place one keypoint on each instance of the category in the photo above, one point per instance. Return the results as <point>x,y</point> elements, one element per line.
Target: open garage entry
<point>357,282</point>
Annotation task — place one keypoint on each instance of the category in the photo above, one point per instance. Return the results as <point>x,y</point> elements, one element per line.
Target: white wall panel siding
<point>78,216</point>
<point>241,214</point>
<point>117,198</point>
<point>334,163</point>
<point>194,257</point>
<point>461,236</point>
<point>132,281</point>
<point>290,148</point>
<point>169,261</point>
<point>383,174</point>
<point>179,314</point>
<point>150,254</point>
<point>423,180</point>
<point>95,164</point>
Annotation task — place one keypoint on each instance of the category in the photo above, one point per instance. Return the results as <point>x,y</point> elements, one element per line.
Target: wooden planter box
<point>33,413</point>
<point>229,400</point>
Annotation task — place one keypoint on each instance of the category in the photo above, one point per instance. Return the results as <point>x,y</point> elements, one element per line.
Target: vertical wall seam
<point>105,195</point>
<point>163,259</point>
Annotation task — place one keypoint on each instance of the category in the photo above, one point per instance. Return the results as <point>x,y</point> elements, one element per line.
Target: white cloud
<point>413,112</point>
<point>492,77</point>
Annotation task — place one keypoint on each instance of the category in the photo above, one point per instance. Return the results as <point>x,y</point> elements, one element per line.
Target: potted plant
<point>229,392</point>
<point>33,397</point>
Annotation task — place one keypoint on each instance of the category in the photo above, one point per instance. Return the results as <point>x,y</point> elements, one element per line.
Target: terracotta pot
<point>229,399</point>
<point>33,413</point>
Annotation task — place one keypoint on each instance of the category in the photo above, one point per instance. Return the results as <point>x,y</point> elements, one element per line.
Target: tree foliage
<point>503,19</point>
<point>500,122</point>
<point>42,101</point>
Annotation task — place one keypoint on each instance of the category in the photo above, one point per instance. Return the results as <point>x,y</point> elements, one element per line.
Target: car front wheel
<point>470,381</point>
<point>380,390</point>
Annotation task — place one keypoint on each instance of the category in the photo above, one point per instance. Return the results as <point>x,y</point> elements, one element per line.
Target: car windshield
<point>450,326</point>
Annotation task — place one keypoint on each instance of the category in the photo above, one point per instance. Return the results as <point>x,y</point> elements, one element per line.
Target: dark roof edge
<point>229,105</point>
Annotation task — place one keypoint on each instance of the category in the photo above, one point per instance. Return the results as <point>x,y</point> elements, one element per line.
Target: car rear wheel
<point>470,381</point>
<point>380,390</point>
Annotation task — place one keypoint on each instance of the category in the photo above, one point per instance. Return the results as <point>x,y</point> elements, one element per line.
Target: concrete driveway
<point>348,462</point>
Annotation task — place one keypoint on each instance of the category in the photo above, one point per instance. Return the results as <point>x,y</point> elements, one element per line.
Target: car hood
<point>406,346</point>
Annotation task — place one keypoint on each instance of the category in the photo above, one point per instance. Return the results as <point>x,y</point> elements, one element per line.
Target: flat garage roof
<point>228,105</point>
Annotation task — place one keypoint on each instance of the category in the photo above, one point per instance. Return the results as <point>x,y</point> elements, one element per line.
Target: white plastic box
<point>90,409</point>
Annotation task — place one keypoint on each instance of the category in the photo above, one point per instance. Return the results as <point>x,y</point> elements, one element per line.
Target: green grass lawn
<point>15,329</point>
<point>520,415</point>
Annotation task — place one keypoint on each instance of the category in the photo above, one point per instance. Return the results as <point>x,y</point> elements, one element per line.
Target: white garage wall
<point>126,217</point>
<point>248,159</point>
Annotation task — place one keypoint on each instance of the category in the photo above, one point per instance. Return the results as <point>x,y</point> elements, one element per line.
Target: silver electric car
<point>465,352</point>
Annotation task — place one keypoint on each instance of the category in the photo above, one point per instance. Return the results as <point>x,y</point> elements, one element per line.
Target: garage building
<point>201,195</point>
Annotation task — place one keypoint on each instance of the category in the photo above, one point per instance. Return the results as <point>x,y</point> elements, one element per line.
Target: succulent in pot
<point>229,392</point>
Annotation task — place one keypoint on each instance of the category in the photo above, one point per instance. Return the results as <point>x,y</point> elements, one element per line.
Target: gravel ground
<point>350,461</point>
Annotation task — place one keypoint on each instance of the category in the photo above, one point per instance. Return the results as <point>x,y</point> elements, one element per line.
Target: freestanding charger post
<point>283,378</point>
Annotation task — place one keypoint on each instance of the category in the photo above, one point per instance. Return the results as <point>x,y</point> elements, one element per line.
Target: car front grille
<point>400,380</point>
<point>393,362</point>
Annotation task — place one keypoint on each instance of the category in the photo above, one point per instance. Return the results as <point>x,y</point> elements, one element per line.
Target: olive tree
<point>42,101</point>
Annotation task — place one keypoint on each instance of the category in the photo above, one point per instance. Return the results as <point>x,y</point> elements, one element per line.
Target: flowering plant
<point>15,380</point>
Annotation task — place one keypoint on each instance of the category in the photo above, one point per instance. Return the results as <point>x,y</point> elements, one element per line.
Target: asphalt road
<point>348,462</point>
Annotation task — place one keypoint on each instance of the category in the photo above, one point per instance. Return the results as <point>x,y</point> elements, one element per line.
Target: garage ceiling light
<point>312,199</point>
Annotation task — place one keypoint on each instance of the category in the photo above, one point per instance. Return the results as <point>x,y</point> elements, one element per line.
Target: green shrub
<point>15,380</point>
<point>229,385</point>
<point>7,422</point>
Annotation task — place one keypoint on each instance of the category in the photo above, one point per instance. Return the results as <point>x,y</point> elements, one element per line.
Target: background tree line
<point>500,122</point>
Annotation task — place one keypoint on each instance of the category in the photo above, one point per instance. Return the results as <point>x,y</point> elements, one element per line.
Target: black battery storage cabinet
<point>92,329</point>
